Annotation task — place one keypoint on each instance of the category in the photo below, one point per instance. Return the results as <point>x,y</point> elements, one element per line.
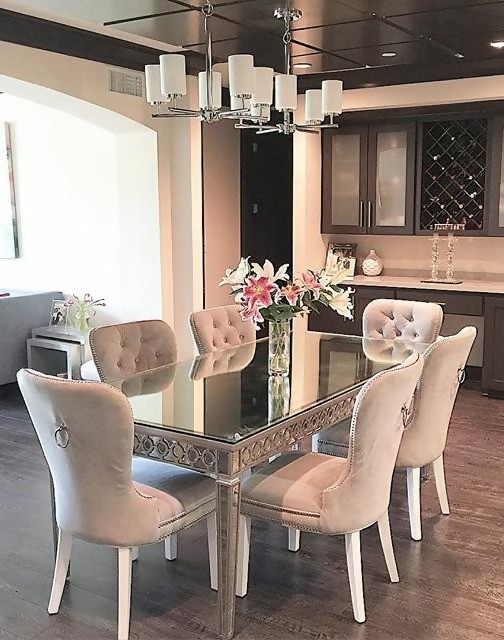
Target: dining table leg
<point>228,511</point>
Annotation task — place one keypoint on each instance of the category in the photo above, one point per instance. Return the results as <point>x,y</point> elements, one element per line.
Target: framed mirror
<point>9,242</point>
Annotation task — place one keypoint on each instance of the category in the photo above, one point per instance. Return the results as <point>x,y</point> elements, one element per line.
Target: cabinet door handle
<point>361,213</point>
<point>369,212</point>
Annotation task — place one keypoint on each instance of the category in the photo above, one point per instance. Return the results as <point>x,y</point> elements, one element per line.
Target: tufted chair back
<point>402,320</point>
<point>86,433</point>
<point>220,328</point>
<point>425,438</point>
<point>222,362</point>
<point>362,493</point>
<point>121,350</point>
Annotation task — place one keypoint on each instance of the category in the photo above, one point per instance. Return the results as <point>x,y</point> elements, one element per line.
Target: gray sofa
<point>20,312</point>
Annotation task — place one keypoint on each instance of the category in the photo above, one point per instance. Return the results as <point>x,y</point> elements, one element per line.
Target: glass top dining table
<point>221,414</point>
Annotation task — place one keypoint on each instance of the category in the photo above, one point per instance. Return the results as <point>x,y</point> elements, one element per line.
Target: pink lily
<point>251,313</point>
<point>311,283</point>
<point>291,293</point>
<point>257,292</point>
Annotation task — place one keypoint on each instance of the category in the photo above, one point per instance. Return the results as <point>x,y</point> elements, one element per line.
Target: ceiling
<point>343,38</point>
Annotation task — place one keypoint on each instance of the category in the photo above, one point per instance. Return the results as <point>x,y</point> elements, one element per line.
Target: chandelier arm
<point>174,114</point>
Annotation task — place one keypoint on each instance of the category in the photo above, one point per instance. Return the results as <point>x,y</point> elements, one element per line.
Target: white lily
<point>268,271</point>
<point>342,303</point>
<point>236,277</point>
<point>338,277</point>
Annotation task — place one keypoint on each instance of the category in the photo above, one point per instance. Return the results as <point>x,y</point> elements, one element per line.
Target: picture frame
<point>341,256</point>
<point>59,313</point>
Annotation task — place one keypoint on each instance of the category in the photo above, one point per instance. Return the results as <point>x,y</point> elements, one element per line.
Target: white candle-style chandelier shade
<point>253,90</point>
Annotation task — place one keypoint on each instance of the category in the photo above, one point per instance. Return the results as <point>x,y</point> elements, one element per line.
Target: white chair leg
<point>294,539</point>
<point>170,547</point>
<point>212,550</point>
<point>124,565</point>
<point>60,571</point>
<point>354,564</point>
<point>387,547</point>
<point>242,566</point>
<point>413,484</point>
<point>135,553</point>
<point>439,476</point>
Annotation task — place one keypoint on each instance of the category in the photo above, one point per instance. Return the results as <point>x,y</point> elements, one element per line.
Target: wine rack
<point>454,159</point>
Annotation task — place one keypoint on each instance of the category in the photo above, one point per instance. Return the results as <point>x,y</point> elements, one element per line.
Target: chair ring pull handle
<point>62,436</point>
<point>461,374</point>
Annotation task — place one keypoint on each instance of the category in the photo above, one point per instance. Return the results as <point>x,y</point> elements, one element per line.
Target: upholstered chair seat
<point>88,371</point>
<point>220,328</point>
<point>183,496</point>
<point>322,494</point>
<point>86,433</point>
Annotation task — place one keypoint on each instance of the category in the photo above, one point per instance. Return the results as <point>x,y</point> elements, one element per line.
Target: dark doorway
<point>266,197</point>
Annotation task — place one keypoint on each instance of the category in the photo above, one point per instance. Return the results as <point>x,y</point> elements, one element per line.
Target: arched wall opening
<point>87,199</point>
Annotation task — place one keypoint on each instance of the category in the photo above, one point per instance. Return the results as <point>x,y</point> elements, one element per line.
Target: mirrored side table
<point>57,351</point>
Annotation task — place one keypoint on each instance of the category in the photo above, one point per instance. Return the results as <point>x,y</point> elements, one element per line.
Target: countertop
<point>402,282</point>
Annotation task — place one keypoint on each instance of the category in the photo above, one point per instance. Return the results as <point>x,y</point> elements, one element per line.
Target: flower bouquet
<point>266,295</point>
<point>84,309</point>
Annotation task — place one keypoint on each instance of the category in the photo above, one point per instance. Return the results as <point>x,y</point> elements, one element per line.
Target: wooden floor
<point>452,583</point>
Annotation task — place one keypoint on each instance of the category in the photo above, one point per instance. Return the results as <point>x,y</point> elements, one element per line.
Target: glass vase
<point>279,348</point>
<point>81,320</point>
<point>278,397</point>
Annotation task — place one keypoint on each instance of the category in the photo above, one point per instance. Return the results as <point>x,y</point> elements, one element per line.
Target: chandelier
<point>250,88</point>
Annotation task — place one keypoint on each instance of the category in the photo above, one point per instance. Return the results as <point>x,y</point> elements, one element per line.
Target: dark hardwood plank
<point>452,583</point>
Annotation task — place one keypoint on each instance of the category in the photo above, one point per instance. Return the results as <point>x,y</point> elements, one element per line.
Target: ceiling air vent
<point>127,83</point>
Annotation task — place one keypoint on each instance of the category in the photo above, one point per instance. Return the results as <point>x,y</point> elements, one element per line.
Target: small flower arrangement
<point>84,310</point>
<point>268,295</point>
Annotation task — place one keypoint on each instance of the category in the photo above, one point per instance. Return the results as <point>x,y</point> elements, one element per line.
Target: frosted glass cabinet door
<point>391,179</point>
<point>344,180</point>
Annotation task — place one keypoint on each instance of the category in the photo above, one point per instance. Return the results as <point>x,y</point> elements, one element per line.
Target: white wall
<point>221,188</point>
<point>80,87</point>
<point>87,210</point>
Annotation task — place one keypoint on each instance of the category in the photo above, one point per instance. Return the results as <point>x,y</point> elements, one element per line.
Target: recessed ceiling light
<point>302,65</point>
<point>497,44</point>
<point>389,54</point>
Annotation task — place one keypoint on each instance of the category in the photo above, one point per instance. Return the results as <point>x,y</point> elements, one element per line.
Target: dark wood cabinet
<point>368,179</point>
<point>495,196</point>
<point>404,178</point>
<point>453,164</point>
<point>491,307</point>
<point>493,347</point>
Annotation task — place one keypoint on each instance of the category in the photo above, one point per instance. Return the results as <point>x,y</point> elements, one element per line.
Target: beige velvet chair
<point>424,440</point>
<point>121,350</point>
<point>220,328</point>
<point>327,495</point>
<point>124,350</point>
<point>402,320</point>
<point>86,433</point>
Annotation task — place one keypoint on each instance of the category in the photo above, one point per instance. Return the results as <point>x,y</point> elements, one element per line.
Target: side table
<point>57,350</point>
